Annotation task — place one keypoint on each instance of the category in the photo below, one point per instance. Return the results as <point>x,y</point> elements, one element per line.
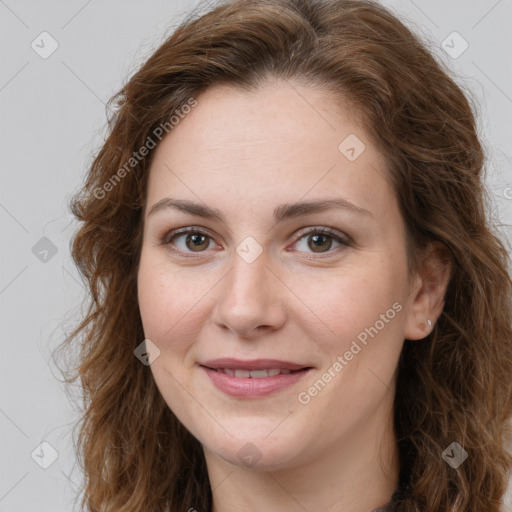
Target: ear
<point>427,292</point>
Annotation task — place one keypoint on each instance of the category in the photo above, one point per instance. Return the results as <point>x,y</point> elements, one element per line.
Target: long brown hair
<point>453,386</point>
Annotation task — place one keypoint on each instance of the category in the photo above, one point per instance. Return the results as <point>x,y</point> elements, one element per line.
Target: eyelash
<point>343,240</point>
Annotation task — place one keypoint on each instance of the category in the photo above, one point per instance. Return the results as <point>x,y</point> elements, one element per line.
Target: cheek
<point>351,301</point>
<point>363,307</point>
<point>170,317</point>
<point>173,304</point>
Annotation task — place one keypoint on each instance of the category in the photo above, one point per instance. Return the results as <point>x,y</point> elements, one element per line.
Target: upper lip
<point>252,364</point>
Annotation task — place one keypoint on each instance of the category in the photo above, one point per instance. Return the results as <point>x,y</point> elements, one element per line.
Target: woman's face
<point>257,279</point>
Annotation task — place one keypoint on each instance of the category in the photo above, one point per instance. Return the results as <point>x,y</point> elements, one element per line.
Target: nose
<point>251,299</point>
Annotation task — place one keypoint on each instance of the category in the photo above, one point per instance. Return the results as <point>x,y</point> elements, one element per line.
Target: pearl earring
<point>423,326</point>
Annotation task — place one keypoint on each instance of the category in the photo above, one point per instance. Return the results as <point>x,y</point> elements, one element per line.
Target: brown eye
<point>197,241</point>
<point>319,243</point>
<point>320,240</point>
<point>187,241</point>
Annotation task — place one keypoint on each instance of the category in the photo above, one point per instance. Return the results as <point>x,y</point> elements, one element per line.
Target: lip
<point>252,364</point>
<point>249,387</point>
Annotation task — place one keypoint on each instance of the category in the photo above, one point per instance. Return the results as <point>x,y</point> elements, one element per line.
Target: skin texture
<point>244,154</point>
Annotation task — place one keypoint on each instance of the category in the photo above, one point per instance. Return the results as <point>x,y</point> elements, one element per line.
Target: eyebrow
<point>281,212</point>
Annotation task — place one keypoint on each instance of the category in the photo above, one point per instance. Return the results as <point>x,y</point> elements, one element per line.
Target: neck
<point>359,474</point>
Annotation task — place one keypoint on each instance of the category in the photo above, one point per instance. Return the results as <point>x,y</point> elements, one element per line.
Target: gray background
<point>52,119</point>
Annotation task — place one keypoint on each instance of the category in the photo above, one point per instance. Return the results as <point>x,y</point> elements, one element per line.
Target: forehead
<point>228,118</point>
<point>278,143</point>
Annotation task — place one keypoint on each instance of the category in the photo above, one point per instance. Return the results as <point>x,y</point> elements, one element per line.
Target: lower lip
<point>248,387</point>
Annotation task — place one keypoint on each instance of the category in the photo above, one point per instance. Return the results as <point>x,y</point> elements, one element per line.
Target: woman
<point>298,301</point>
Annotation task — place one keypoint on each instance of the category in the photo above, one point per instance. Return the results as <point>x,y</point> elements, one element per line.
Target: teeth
<point>255,374</point>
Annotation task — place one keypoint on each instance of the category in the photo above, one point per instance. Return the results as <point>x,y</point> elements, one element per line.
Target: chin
<point>255,450</point>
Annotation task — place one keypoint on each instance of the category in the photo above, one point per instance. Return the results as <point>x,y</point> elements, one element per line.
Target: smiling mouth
<point>255,374</point>
<point>257,380</point>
